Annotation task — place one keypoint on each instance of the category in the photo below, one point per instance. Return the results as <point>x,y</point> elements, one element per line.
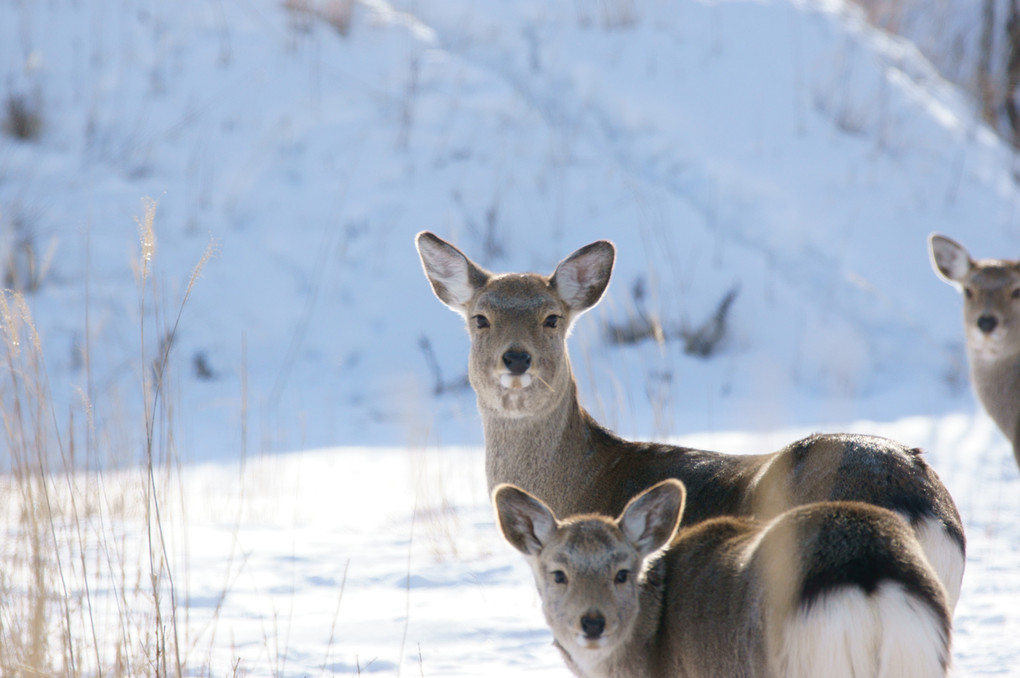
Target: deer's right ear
<point>525,521</point>
<point>949,258</point>
<point>453,276</point>
<point>582,278</point>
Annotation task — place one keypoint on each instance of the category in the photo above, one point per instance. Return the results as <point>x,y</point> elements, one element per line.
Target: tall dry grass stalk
<point>77,594</point>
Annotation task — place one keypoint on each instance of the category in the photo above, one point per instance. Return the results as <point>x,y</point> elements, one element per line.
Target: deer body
<point>991,319</point>
<point>538,437</point>
<point>834,589</point>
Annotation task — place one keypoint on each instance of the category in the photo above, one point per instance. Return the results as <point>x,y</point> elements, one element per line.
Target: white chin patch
<point>515,380</point>
<point>984,347</point>
<point>590,643</point>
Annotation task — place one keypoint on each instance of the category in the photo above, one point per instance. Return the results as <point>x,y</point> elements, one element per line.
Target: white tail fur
<point>850,634</point>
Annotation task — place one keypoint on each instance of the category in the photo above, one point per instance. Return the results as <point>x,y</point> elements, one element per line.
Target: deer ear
<point>652,518</point>
<point>455,279</point>
<point>525,521</point>
<point>949,258</point>
<point>582,278</point>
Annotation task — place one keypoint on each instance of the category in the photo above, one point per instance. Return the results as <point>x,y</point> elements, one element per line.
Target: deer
<point>539,437</point>
<point>834,589</point>
<point>991,325</point>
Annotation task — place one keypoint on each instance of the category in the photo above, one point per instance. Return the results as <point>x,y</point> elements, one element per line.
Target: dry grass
<point>77,595</point>
<point>702,340</point>
<point>25,255</point>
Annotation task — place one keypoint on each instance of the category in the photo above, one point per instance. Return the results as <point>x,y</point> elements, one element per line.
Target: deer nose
<point>593,624</point>
<point>517,362</point>
<point>987,323</point>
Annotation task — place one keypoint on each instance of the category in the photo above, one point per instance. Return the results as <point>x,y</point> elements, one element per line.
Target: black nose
<point>593,624</point>
<point>517,362</point>
<point>987,323</point>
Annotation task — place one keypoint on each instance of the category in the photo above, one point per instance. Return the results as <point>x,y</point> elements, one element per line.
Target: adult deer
<point>991,324</point>
<point>833,589</point>
<point>538,437</point>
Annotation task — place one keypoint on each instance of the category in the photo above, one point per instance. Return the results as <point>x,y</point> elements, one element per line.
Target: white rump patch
<point>515,380</point>
<point>847,634</point>
<point>944,555</point>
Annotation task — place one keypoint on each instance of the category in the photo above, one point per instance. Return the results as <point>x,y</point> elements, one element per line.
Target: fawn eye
<point>1016,293</point>
<point>551,321</point>
<point>481,322</point>
<point>968,292</point>
<point>560,577</point>
<point>622,576</point>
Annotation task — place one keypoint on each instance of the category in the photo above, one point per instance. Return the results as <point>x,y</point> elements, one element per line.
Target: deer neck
<point>538,452</point>
<point>997,383</point>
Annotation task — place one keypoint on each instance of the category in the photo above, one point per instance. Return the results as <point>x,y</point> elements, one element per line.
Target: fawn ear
<point>455,278</point>
<point>949,258</point>
<point>525,521</point>
<point>582,278</point>
<point>652,518</point>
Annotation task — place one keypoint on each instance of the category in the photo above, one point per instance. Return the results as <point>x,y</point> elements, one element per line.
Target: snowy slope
<point>784,149</point>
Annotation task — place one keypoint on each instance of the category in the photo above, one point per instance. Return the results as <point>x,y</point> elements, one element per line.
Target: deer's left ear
<point>652,518</point>
<point>582,278</point>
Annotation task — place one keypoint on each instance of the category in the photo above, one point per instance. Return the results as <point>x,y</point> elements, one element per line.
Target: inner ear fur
<point>454,277</point>
<point>526,523</point>
<point>652,518</point>
<point>582,278</point>
<point>949,258</point>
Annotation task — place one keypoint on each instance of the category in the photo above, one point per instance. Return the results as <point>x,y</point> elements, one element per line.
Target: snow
<point>325,508</point>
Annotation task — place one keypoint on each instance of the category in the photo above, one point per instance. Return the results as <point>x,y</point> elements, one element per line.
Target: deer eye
<point>968,292</point>
<point>1016,293</point>
<point>560,577</point>
<point>552,321</point>
<point>481,322</point>
<point>622,576</point>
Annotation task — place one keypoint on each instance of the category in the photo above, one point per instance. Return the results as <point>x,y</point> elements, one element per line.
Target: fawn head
<point>518,322</point>
<point>991,304</point>
<point>589,569</point>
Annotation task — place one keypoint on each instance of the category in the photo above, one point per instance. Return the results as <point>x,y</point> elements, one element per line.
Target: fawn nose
<point>517,362</point>
<point>593,624</point>
<point>987,323</point>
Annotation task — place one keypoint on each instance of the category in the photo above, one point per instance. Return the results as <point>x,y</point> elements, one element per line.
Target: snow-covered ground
<point>386,560</point>
<point>325,508</point>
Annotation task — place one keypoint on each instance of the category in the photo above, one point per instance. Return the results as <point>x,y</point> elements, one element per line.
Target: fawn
<point>833,589</point>
<point>538,437</point>
<point>991,323</point>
